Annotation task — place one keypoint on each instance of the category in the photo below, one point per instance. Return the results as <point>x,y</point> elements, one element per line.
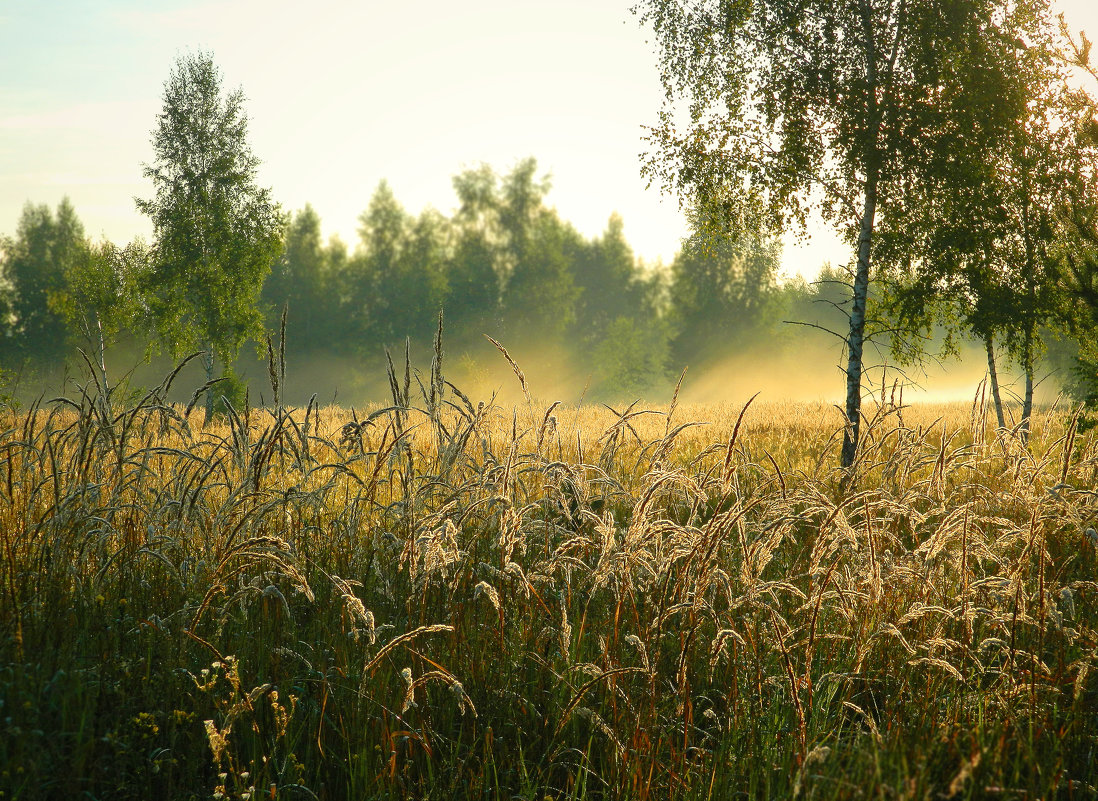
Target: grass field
<point>453,600</point>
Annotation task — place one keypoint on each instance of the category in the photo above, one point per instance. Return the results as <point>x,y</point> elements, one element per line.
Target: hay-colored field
<point>462,601</point>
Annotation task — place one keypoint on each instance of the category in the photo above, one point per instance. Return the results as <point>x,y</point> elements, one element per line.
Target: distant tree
<point>512,255</point>
<point>610,282</point>
<point>722,290</point>
<point>335,330</point>
<point>618,315</point>
<point>854,102</point>
<point>540,295</point>
<point>216,232</point>
<point>382,230</point>
<point>519,203</point>
<point>100,297</point>
<point>7,317</point>
<point>397,280</point>
<point>418,290</point>
<point>473,296</point>
<point>531,247</point>
<point>631,357</point>
<point>820,304</point>
<point>475,274</point>
<point>46,247</point>
<point>300,280</point>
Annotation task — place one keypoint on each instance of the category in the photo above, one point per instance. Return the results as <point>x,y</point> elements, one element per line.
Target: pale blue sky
<point>343,94</point>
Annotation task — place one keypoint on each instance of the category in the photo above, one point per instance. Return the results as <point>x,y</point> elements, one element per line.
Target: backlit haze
<point>341,95</point>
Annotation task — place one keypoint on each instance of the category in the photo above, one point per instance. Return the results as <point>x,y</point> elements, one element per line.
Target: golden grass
<point>450,599</point>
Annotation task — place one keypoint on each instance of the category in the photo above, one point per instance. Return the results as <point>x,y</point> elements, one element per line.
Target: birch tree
<point>99,298</point>
<point>775,109</point>
<point>216,232</point>
<point>1081,216</point>
<point>987,244</point>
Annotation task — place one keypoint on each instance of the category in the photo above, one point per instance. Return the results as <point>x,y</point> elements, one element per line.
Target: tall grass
<point>444,599</point>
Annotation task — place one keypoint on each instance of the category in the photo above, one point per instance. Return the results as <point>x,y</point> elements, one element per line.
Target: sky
<point>341,95</point>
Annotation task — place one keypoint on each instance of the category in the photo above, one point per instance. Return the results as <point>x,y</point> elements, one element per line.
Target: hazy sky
<point>343,94</point>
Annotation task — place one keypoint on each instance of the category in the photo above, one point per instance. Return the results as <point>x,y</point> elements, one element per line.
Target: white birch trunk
<point>208,363</point>
<point>856,338</point>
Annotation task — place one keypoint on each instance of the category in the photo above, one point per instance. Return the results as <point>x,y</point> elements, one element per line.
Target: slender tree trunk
<point>208,362</point>
<point>101,346</point>
<point>856,337</point>
<point>1027,401</point>
<point>1030,273</point>
<point>990,346</point>
<point>101,343</point>
<point>871,163</point>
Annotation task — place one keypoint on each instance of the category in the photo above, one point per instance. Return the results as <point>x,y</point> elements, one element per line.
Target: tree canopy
<point>777,108</point>
<point>216,232</point>
<point>46,247</point>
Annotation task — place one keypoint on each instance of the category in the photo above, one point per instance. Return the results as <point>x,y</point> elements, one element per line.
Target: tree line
<point>963,174</point>
<point>504,263</point>
<point>226,262</point>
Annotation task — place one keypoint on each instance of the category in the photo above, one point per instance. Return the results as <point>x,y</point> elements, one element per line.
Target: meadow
<point>447,598</point>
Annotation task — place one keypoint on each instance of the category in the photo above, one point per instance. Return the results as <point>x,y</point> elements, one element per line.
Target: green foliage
<point>540,295</point>
<point>611,284</point>
<point>1079,218</point>
<point>862,105</point>
<point>1002,231</point>
<point>9,384</point>
<point>398,276</point>
<point>100,296</point>
<point>36,263</point>
<point>305,279</point>
<point>505,264</point>
<point>475,289</point>
<point>632,358</point>
<point>216,233</point>
<point>824,302</point>
<point>787,97</point>
<point>723,292</point>
<point>230,390</point>
<point>513,254</point>
<point>983,251</point>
